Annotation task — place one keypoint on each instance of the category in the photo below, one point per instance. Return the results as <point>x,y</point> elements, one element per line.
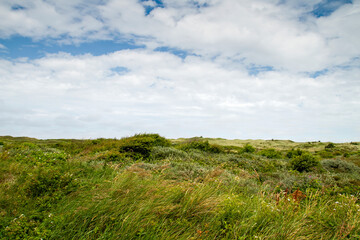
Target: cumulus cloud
<point>258,32</point>
<point>252,69</point>
<point>163,93</point>
<point>40,19</point>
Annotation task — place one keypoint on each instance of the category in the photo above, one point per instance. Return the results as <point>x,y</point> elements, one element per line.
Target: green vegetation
<point>304,162</point>
<point>149,187</point>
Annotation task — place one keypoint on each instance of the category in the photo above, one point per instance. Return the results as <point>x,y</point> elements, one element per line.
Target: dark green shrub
<point>112,156</point>
<point>305,162</point>
<point>294,153</point>
<point>1,143</point>
<point>248,149</point>
<point>140,146</point>
<point>337,165</point>
<point>48,182</point>
<point>330,146</point>
<point>270,153</point>
<point>204,146</point>
<point>24,227</point>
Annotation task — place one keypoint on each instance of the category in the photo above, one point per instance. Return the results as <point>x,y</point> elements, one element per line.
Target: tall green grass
<point>144,187</point>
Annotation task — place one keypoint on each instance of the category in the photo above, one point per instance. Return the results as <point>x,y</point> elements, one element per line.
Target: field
<point>149,187</point>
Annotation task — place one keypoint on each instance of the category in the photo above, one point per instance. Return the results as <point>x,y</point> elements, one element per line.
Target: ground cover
<point>149,187</point>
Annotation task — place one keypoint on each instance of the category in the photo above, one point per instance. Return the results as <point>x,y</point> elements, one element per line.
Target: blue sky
<point>256,69</point>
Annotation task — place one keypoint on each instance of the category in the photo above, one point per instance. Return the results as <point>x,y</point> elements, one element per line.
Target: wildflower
<point>336,202</point>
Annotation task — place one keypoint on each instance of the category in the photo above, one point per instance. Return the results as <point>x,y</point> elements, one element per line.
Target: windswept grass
<point>145,187</point>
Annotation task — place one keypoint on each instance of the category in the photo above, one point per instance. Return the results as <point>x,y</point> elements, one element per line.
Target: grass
<point>147,187</point>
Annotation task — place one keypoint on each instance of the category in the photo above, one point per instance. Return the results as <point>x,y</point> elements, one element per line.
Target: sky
<point>235,69</point>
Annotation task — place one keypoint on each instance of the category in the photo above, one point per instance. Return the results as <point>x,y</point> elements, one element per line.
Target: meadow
<point>149,187</point>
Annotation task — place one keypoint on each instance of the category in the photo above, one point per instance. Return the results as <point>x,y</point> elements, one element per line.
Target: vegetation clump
<point>330,146</point>
<point>201,145</point>
<point>139,146</point>
<point>337,165</point>
<point>304,162</point>
<point>270,153</point>
<point>294,153</point>
<point>248,148</point>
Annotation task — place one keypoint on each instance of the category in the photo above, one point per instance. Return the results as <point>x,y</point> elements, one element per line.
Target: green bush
<point>47,182</point>
<point>24,227</point>
<point>111,156</point>
<point>337,165</point>
<point>330,146</point>
<point>248,149</point>
<point>140,146</point>
<point>294,153</point>
<point>168,152</point>
<point>305,162</point>
<point>204,146</point>
<point>270,153</point>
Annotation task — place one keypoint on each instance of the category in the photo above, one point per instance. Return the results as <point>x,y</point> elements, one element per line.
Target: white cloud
<point>341,32</point>
<point>162,93</point>
<point>41,19</point>
<point>208,93</point>
<point>259,32</point>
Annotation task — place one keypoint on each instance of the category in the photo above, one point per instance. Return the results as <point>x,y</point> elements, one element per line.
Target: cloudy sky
<point>245,69</point>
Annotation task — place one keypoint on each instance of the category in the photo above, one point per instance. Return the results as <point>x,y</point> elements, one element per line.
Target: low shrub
<point>24,227</point>
<point>270,153</point>
<point>256,163</point>
<point>232,149</point>
<point>139,146</point>
<point>201,145</point>
<point>337,165</point>
<point>48,182</point>
<point>294,153</point>
<point>111,156</point>
<point>185,171</point>
<point>325,154</point>
<point>248,149</point>
<point>330,146</point>
<point>305,162</point>
<point>160,152</point>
